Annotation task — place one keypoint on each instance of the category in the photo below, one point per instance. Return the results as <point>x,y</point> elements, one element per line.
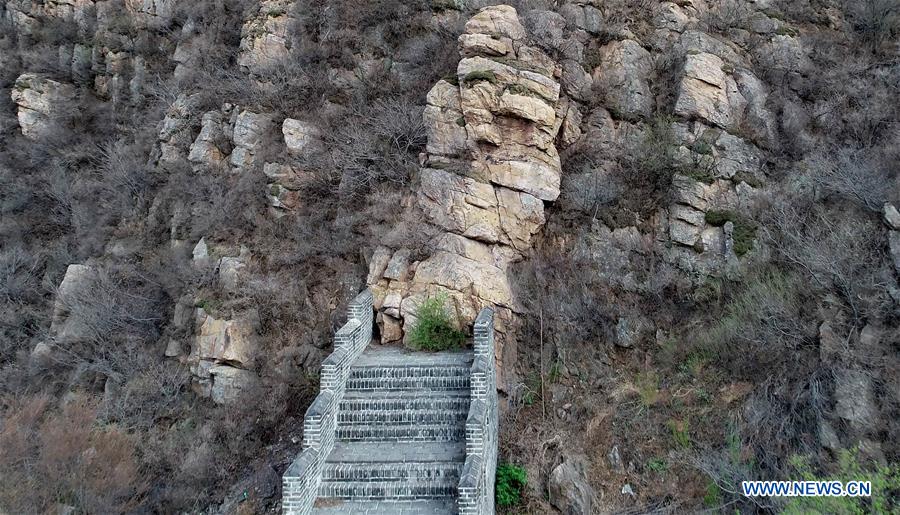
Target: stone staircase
<point>398,432</point>
<point>400,438</point>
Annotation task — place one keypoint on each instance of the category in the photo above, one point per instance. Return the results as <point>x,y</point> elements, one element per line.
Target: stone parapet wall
<point>301,480</point>
<point>476,484</point>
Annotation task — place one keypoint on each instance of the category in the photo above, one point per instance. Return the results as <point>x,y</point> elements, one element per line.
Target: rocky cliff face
<point>617,178</point>
<point>490,165</point>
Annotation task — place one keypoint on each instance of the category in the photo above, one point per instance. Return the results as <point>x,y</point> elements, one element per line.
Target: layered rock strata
<point>490,164</point>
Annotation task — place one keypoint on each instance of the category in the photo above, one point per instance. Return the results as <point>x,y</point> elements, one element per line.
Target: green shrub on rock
<point>510,481</point>
<point>434,330</point>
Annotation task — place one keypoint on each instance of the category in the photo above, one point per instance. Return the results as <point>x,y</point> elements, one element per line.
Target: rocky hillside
<point>685,214</point>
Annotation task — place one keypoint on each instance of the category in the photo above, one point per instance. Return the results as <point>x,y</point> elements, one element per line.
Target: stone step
<point>392,406</point>
<point>389,490</point>
<point>408,416</point>
<point>326,506</point>
<point>390,356</point>
<point>402,432</point>
<point>392,471</point>
<point>386,452</point>
<point>409,377</point>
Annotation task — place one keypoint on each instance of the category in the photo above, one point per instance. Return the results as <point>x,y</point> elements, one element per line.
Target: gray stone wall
<point>476,484</point>
<point>301,480</point>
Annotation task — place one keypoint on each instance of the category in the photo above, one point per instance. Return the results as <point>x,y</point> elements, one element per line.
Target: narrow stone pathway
<point>400,437</point>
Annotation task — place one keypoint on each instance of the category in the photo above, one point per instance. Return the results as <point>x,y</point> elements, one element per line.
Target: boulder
<point>41,355</point>
<point>622,76</point>
<point>200,254</point>
<point>377,264</point>
<point>891,216</point>
<point>175,132</point>
<point>264,36</point>
<point>228,383</point>
<point>40,101</point>
<point>391,304</point>
<point>570,128</point>
<point>299,135</point>
<point>576,82</point>
<point>894,247</point>
<point>521,217</point>
<point>398,266</point>
<point>67,325</point>
<point>854,401</point>
<point>250,133</point>
<point>391,330</point>
<point>232,271</point>
<point>173,349</point>
<point>459,204</point>
<point>583,16</point>
<point>224,341</point>
<point>499,21</point>
<point>569,491</point>
<point>444,122</point>
<point>457,273</point>
<point>205,148</point>
<point>707,92</point>
<point>683,232</point>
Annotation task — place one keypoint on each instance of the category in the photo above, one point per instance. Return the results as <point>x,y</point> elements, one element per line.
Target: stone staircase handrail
<point>476,483</point>
<point>302,478</point>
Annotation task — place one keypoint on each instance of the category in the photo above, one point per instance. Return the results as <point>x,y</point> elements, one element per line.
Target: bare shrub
<point>563,298</point>
<point>48,456</point>
<point>621,16</point>
<point>118,308</point>
<point>17,269</point>
<point>876,21</point>
<point>763,320</point>
<point>839,252</point>
<point>725,15</point>
<point>782,414</point>
<point>153,393</point>
<point>860,175</point>
<point>373,144</point>
<point>591,191</point>
<point>123,176</point>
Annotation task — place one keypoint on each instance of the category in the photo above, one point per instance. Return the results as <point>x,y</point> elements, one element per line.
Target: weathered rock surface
<point>206,148</point>
<point>229,382</point>
<point>570,492</point>
<point>718,88</point>
<point>250,133</point>
<point>854,399</point>
<point>490,165</point>
<point>225,340</point>
<point>891,216</point>
<point>40,102</point>
<point>298,135</point>
<point>623,76</point>
<point>66,326</point>
<point>175,132</point>
<point>264,37</point>
<point>223,349</point>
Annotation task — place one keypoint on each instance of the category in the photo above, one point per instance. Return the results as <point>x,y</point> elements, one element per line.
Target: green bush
<point>434,330</point>
<point>744,228</point>
<point>478,76</point>
<point>510,481</point>
<point>885,481</point>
